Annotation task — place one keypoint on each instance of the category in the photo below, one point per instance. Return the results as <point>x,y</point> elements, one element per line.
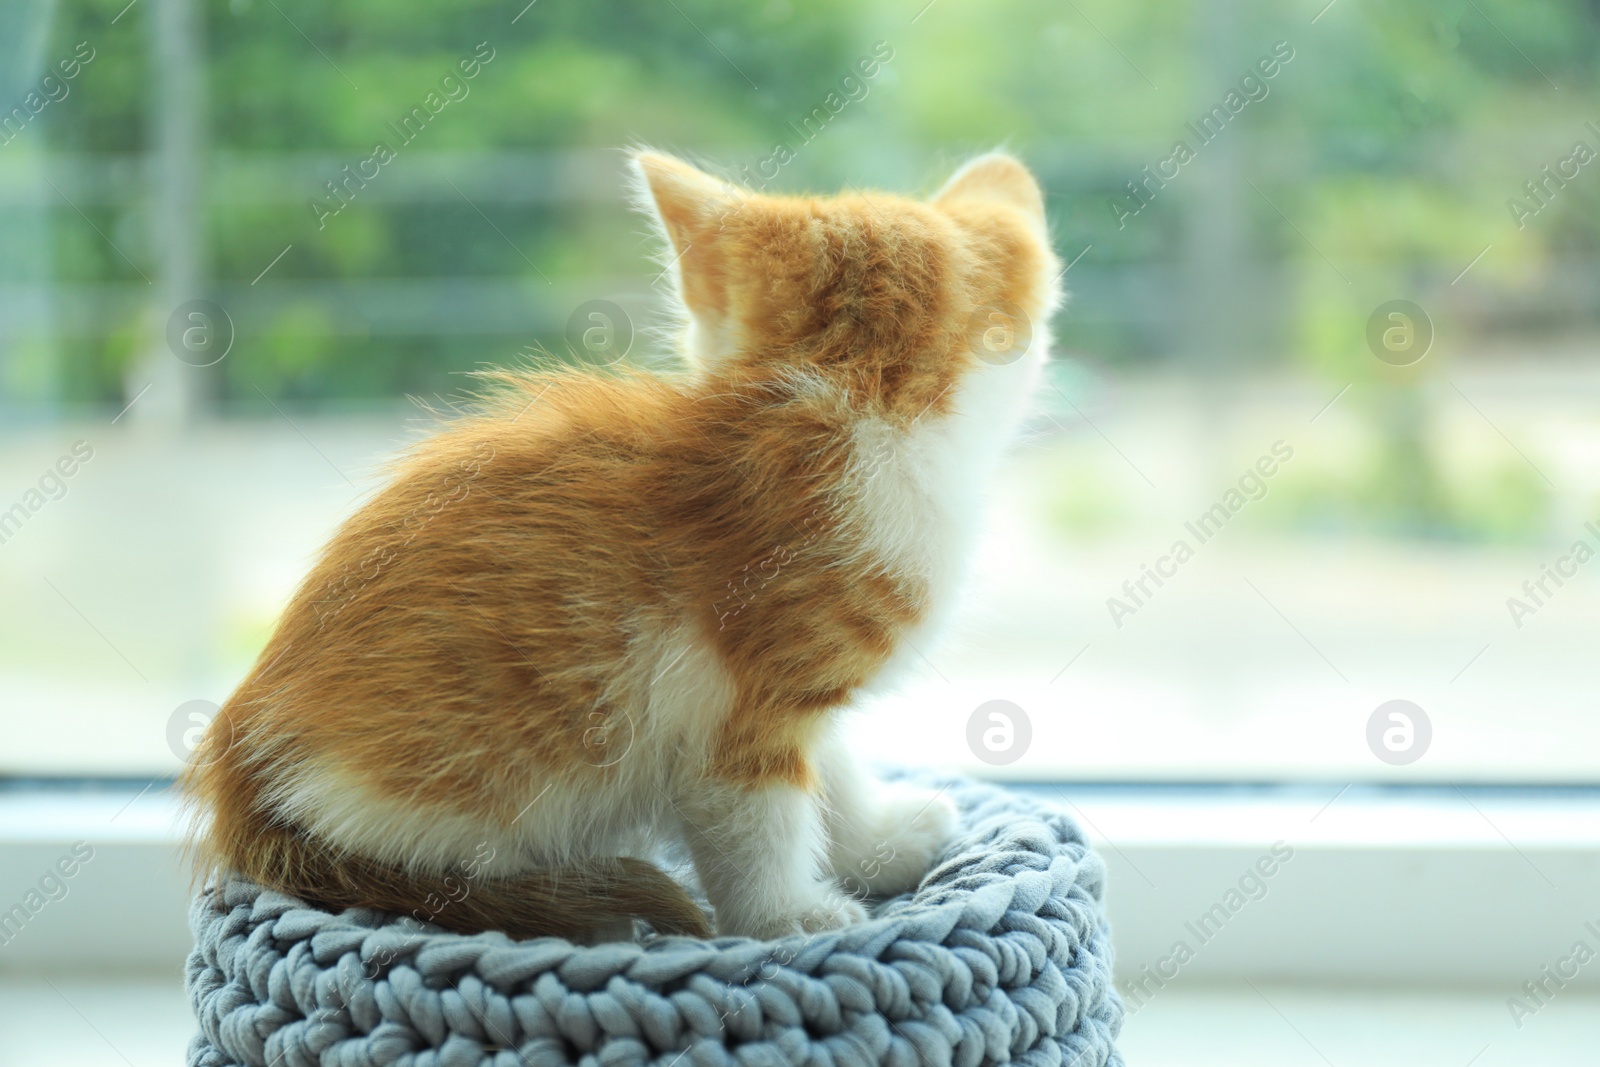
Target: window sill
<point>1425,886</point>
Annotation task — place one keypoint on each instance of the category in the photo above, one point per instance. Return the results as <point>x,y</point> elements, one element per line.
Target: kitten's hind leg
<point>760,850</point>
<point>883,837</point>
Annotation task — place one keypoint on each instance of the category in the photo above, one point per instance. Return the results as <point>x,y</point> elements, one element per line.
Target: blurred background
<point>249,248</point>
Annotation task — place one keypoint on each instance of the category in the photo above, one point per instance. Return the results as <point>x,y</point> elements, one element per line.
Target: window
<point>1317,437</point>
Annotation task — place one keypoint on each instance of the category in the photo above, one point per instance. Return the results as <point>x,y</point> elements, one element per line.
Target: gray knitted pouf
<point>1002,956</point>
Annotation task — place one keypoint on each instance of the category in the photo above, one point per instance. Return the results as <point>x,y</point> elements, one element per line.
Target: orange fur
<point>465,632</point>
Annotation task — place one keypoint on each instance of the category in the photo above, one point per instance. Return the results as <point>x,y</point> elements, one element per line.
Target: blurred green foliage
<point>1385,151</point>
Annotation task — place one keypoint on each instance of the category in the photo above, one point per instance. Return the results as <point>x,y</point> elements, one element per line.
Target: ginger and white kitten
<point>618,610</point>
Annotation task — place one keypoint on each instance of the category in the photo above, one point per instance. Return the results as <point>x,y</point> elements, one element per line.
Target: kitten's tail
<point>575,902</point>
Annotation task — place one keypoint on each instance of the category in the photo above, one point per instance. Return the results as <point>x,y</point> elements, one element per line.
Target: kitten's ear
<point>690,203</point>
<point>998,177</point>
<point>692,207</point>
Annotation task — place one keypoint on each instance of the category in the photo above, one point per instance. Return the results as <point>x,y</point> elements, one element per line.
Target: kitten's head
<point>895,298</point>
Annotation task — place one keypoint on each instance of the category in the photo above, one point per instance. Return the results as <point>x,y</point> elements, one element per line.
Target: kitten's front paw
<point>830,910</point>
<point>911,829</point>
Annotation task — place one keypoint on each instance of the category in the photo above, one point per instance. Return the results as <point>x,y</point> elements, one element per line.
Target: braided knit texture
<point>1003,955</point>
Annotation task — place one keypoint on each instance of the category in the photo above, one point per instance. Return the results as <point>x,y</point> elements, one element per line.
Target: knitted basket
<point>1002,956</point>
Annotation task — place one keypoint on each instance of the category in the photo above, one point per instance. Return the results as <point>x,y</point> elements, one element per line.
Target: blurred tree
<point>1388,145</point>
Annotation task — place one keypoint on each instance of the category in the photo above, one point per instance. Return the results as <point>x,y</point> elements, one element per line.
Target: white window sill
<point>1383,886</point>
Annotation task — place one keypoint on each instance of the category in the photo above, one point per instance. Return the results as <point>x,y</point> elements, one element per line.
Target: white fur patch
<point>912,499</point>
<point>760,854</point>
